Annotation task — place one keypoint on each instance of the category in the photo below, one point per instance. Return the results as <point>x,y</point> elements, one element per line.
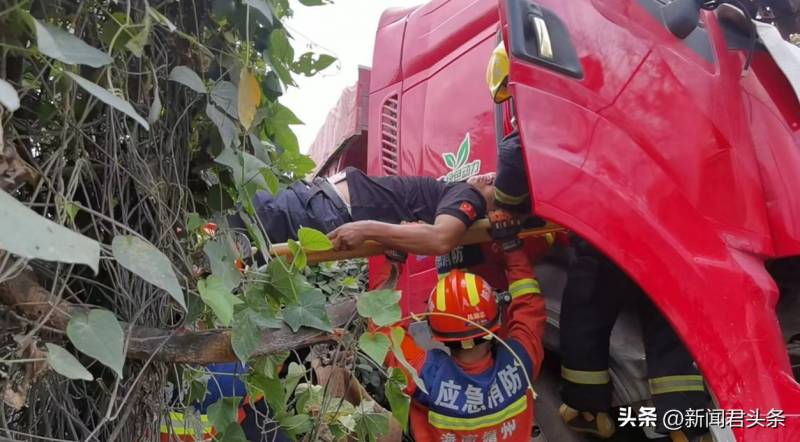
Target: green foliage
<point>398,399</point>
<point>217,296</point>
<point>397,336</point>
<point>263,7</point>
<point>25,233</point>
<point>296,424</point>
<point>65,364</point>
<point>369,424</point>
<point>339,278</point>
<point>284,282</point>
<point>245,333</point>
<point>145,260</point>
<point>246,169</point>
<point>233,433</point>
<point>109,98</point>
<point>65,47</point>
<point>375,345</point>
<point>313,240</point>
<point>189,78</point>
<point>224,412</point>
<point>315,2</point>
<point>308,311</point>
<point>99,335</point>
<point>222,259</point>
<point>382,306</point>
<point>299,257</point>
<point>309,66</point>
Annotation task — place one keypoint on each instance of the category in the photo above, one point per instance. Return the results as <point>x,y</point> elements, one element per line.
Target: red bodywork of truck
<point>666,154</point>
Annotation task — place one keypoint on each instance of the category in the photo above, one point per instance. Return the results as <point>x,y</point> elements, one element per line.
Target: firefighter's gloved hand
<point>396,256</point>
<point>505,228</point>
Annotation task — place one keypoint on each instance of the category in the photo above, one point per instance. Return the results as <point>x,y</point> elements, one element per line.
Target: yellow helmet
<point>497,74</point>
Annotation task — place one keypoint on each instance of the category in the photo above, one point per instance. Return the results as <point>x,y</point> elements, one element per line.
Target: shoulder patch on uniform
<point>469,210</point>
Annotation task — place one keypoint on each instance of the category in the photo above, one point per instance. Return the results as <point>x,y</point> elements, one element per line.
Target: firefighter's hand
<point>505,228</point>
<point>347,236</point>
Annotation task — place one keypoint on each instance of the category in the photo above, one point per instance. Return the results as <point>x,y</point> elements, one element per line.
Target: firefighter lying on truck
<point>353,207</point>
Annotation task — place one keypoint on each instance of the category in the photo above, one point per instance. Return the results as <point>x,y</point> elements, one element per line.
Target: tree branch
<point>32,301</point>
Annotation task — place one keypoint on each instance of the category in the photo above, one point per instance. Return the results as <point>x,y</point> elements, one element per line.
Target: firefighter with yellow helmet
<point>511,184</point>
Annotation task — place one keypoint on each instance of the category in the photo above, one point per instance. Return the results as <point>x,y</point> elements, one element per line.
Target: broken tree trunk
<point>28,299</point>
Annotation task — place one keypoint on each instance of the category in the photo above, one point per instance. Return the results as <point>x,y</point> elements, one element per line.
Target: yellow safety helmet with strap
<point>497,74</point>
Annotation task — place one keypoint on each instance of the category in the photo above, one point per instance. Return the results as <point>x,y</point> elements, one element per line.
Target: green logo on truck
<point>460,169</point>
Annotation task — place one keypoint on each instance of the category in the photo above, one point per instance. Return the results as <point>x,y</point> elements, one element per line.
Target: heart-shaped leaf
<point>375,345</point>
<point>313,240</point>
<point>222,258</point>
<point>381,306</point>
<point>100,336</point>
<point>215,295</point>
<point>65,364</point>
<point>146,261</point>
<point>25,233</point>
<point>65,47</point>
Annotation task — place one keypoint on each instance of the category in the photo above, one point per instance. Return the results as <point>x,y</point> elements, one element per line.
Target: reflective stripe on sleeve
<point>598,377</point>
<point>523,287</point>
<point>505,198</point>
<point>677,384</point>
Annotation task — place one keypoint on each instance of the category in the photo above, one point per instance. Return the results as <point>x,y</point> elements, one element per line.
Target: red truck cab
<point>666,153</point>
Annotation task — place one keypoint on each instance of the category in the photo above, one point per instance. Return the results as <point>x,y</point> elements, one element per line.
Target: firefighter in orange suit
<point>482,390</point>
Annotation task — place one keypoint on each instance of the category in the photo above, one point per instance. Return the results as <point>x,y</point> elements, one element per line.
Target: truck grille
<point>390,135</point>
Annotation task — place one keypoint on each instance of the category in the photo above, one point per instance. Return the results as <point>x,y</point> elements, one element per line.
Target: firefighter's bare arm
<point>421,239</point>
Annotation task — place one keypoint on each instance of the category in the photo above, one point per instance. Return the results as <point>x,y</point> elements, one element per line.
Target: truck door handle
<point>539,36</point>
<point>543,37</point>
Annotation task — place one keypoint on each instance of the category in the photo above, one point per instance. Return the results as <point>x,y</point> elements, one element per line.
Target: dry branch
<point>32,301</point>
